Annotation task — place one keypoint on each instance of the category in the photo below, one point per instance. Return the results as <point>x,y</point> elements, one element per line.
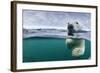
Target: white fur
<point>69,40</point>
<point>78,51</point>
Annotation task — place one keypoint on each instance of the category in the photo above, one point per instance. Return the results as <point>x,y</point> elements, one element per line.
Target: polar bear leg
<point>78,51</point>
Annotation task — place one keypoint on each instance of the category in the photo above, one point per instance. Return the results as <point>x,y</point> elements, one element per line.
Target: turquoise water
<point>50,49</point>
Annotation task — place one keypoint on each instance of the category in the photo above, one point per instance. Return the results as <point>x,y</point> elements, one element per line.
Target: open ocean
<point>37,49</point>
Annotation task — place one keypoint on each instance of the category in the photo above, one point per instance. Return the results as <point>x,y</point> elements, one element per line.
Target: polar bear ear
<point>68,23</point>
<point>76,22</point>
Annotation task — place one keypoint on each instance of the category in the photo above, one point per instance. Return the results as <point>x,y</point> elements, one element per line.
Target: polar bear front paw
<point>78,52</point>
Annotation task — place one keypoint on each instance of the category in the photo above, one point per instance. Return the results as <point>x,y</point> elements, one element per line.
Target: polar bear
<point>76,44</point>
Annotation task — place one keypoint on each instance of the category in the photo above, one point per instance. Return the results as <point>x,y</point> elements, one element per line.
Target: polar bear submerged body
<point>77,46</point>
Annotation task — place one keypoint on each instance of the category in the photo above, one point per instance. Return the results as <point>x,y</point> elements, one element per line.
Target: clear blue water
<point>50,49</point>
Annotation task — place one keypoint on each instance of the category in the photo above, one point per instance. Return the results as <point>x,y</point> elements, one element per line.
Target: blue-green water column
<point>50,49</point>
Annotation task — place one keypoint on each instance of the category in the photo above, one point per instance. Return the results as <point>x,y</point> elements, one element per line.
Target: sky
<point>54,19</point>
